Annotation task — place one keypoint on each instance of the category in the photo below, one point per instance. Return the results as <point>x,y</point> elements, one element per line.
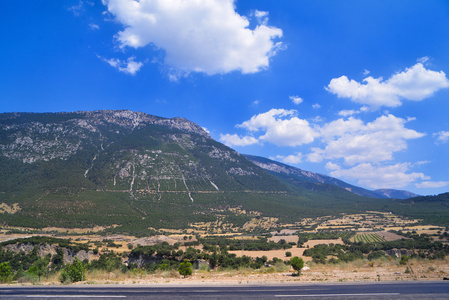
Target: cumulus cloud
<point>356,142</point>
<point>206,36</point>
<point>352,149</point>
<point>130,66</point>
<point>431,184</point>
<point>296,99</point>
<point>442,136</point>
<point>316,106</point>
<point>281,127</point>
<point>234,140</point>
<point>415,84</point>
<point>289,159</point>
<point>376,177</point>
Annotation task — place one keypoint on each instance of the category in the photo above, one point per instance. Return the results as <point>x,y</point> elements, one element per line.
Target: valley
<point>126,196</point>
<point>280,243</point>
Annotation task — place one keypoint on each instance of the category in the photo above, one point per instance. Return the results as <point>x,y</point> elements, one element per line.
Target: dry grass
<point>281,253</point>
<point>360,270</point>
<point>5,208</point>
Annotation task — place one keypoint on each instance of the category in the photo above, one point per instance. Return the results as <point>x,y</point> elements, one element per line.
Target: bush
<point>73,272</point>
<point>404,259</point>
<point>5,272</point>
<point>297,264</point>
<point>288,254</point>
<point>185,268</point>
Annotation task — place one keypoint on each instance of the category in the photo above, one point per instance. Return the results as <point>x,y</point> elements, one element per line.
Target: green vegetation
<point>5,272</point>
<point>368,238</point>
<point>297,264</point>
<point>185,268</point>
<point>73,272</point>
<point>426,248</point>
<point>325,235</point>
<point>29,266</point>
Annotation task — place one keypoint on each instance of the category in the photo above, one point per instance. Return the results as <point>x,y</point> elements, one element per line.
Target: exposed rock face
<point>399,252</point>
<point>61,135</point>
<point>396,194</point>
<point>45,249</point>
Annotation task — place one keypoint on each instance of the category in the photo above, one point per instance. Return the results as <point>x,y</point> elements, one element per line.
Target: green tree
<point>39,268</point>
<point>288,254</point>
<point>297,264</point>
<point>73,272</point>
<point>404,259</point>
<point>185,268</point>
<point>5,271</point>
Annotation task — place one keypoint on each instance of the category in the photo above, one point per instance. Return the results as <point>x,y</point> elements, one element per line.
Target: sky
<point>354,89</point>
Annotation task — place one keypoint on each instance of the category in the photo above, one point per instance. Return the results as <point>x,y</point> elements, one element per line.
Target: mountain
<point>395,194</point>
<point>317,182</point>
<point>103,167</point>
<point>131,172</point>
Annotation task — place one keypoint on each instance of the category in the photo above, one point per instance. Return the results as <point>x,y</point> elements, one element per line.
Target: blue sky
<point>357,89</point>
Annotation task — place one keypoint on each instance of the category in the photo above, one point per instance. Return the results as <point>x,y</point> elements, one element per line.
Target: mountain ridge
<point>300,175</point>
<point>137,171</point>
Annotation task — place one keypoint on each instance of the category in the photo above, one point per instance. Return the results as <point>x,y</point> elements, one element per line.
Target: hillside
<point>135,171</point>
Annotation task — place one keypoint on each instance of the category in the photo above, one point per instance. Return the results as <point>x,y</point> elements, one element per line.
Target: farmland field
<point>368,238</point>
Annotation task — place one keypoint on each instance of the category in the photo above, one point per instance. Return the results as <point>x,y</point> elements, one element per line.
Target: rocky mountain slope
<point>130,172</point>
<point>118,166</point>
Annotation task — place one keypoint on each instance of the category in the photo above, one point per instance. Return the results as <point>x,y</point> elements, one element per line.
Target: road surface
<point>335,291</point>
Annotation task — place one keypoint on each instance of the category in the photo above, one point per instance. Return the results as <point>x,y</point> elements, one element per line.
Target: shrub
<point>297,264</point>
<point>404,259</point>
<point>185,268</point>
<point>288,254</point>
<point>5,272</point>
<point>73,272</point>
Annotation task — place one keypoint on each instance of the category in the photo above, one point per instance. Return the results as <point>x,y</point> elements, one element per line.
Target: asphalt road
<point>408,290</point>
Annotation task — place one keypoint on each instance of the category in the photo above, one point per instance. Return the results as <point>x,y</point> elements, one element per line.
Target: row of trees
<point>421,245</point>
<point>31,267</point>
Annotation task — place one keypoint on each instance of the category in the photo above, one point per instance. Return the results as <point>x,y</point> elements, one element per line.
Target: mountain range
<point>315,181</point>
<point>131,172</point>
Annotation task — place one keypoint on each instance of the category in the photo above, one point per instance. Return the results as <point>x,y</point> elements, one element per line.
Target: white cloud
<point>316,106</point>
<point>442,136</point>
<point>423,60</point>
<point>356,142</point>
<point>94,26</point>
<point>366,72</point>
<point>261,14</point>
<point>415,83</point>
<point>331,166</point>
<point>79,8</point>
<point>296,99</point>
<point>376,177</point>
<point>289,159</point>
<point>206,36</point>
<point>234,140</point>
<point>129,66</point>
<point>346,113</point>
<point>281,127</point>
<point>317,119</point>
<point>431,184</point>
